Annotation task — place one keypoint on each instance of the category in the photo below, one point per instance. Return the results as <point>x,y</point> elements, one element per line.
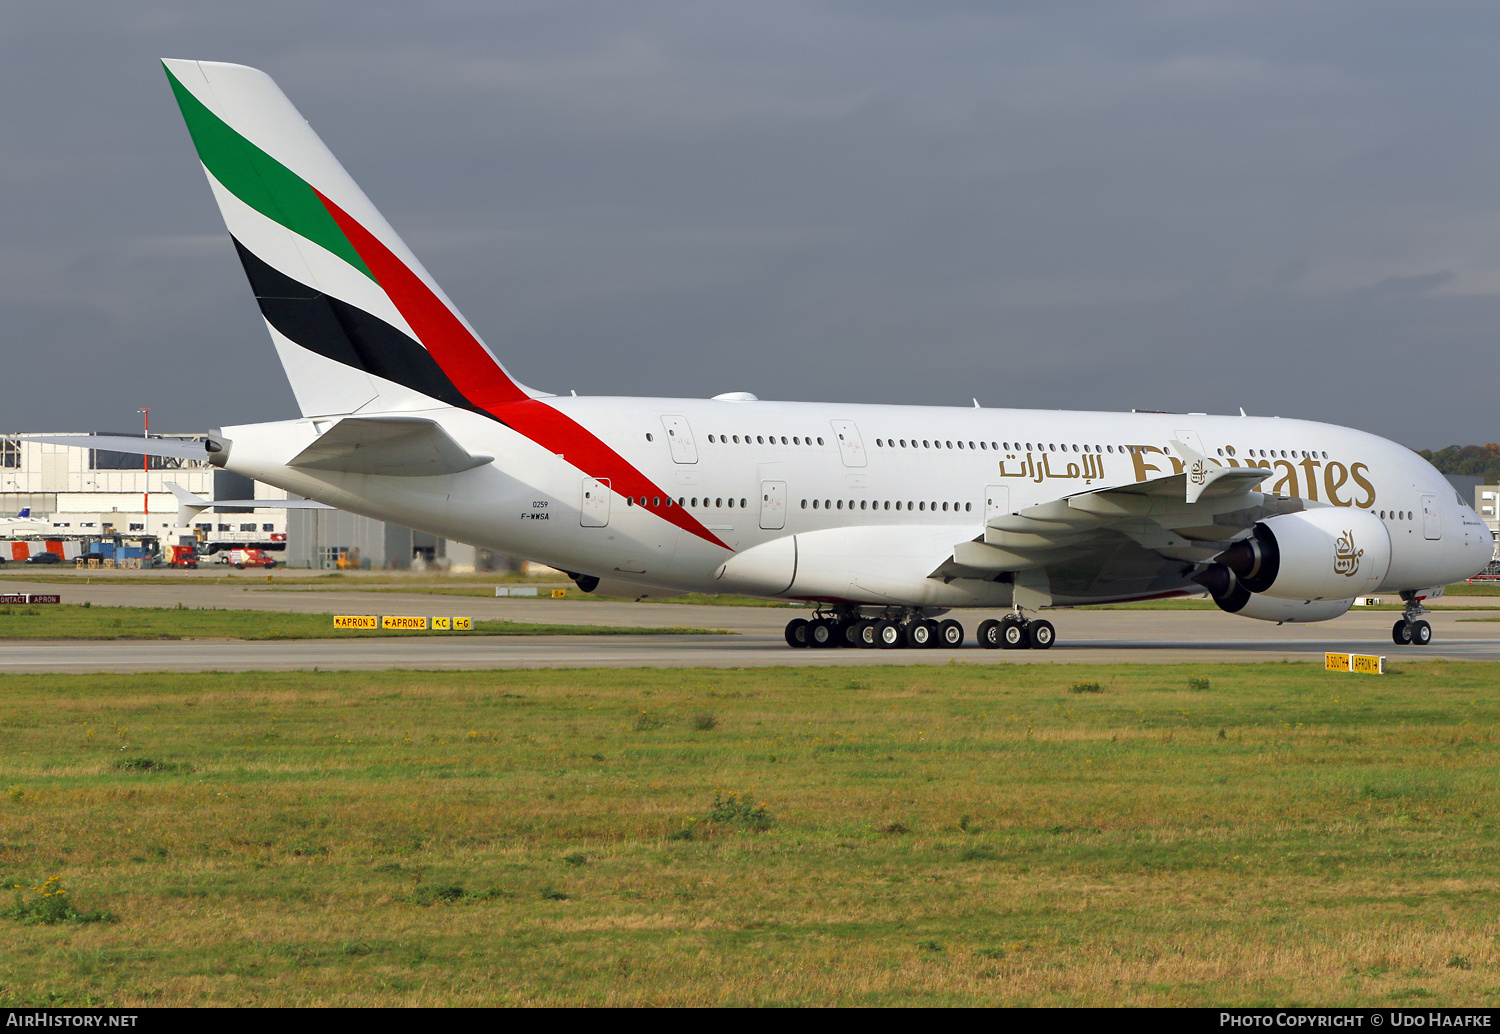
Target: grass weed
<point>485,838</point>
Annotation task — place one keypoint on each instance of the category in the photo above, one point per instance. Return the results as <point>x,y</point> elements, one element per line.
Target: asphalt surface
<point>1093,636</point>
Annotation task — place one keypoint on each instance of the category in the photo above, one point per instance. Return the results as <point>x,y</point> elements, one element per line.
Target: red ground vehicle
<point>243,558</point>
<point>183,556</point>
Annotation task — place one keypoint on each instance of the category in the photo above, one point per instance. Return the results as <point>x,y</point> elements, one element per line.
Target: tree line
<point>1475,460</point>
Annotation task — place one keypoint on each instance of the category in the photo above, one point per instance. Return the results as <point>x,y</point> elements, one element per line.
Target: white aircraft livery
<point>886,517</point>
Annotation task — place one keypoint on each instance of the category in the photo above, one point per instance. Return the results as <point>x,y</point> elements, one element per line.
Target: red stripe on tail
<point>479,377</point>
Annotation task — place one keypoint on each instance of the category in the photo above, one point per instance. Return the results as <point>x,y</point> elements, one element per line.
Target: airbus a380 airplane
<point>885,516</point>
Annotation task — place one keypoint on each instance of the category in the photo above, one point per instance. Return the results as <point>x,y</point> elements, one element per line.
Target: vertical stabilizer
<point>357,322</point>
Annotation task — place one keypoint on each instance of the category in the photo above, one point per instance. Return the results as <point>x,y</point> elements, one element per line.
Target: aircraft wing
<point>175,448</point>
<point>1185,518</point>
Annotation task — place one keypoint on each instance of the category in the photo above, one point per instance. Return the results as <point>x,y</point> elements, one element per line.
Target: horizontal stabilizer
<point>190,505</point>
<point>175,448</point>
<point>391,446</point>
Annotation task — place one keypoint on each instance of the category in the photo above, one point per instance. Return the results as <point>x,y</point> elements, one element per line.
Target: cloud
<point>1167,205</point>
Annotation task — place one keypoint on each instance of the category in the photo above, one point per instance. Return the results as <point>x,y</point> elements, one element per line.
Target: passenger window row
<point>865,504</point>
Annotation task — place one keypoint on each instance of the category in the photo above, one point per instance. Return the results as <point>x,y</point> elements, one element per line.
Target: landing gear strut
<point>893,628</point>
<point>1016,632</point>
<point>1410,630</point>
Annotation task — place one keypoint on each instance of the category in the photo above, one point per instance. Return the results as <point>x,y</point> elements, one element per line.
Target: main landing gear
<point>1015,632</point>
<point>1411,630</point>
<point>894,629</point>
<point>897,628</point>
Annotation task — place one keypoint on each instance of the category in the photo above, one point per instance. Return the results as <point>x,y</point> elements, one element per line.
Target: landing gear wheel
<point>864,635</point>
<point>1013,634</point>
<point>888,635</point>
<point>849,632</point>
<point>920,634</point>
<point>1421,633</point>
<point>1401,633</point>
<point>989,634</point>
<point>820,634</point>
<point>796,633</point>
<point>1042,635</point>
<point>951,634</point>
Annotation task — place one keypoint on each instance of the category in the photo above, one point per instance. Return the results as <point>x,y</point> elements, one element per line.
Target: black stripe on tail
<point>346,334</point>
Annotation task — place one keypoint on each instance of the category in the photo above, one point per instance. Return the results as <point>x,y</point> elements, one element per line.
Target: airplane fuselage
<point>753,471</point>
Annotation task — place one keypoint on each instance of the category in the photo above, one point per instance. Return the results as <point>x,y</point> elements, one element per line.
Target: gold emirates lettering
<point>1304,483</point>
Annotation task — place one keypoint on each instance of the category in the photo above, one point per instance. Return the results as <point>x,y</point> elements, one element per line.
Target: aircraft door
<point>594,511</point>
<point>851,448</point>
<point>1432,520</point>
<point>680,439</point>
<point>996,501</point>
<point>773,505</point>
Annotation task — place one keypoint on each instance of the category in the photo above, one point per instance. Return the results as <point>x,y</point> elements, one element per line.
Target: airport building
<point>123,504</point>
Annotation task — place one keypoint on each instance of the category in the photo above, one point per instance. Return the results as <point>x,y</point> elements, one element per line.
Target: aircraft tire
<point>888,635</point>
<point>796,633</point>
<point>1421,633</point>
<point>919,635</point>
<point>820,634</point>
<point>951,634</point>
<point>989,634</point>
<point>1401,633</point>
<point>1041,635</point>
<point>864,635</point>
<point>1013,635</point>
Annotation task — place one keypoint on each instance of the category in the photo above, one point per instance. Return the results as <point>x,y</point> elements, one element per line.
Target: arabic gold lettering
<point>1345,556</point>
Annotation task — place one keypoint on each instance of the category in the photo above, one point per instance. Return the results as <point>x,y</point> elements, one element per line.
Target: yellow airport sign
<point>463,624</point>
<point>442,624</point>
<point>410,624</point>
<point>1359,663</point>
<point>559,594</point>
<point>355,621</point>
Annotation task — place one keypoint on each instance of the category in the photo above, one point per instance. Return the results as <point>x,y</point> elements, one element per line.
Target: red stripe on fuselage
<point>479,377</point>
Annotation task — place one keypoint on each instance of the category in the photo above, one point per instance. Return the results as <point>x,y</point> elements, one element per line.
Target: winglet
<point>1201,472</point>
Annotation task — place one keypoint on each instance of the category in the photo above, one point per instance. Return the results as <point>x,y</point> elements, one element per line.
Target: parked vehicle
<point>243,558</point>
<point>184,556</point>
<point>44,558</point>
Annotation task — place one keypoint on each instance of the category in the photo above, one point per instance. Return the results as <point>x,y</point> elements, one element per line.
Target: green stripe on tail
<point>259,180</point>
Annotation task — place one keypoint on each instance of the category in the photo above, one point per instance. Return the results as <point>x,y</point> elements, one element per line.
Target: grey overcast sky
<point>1188,205</point>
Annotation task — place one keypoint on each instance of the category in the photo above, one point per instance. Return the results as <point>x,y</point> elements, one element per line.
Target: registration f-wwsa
<point>887,517</point>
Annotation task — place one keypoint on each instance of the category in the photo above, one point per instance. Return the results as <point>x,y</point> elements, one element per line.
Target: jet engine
<point>1331,553</point>
<point>1233,598</point>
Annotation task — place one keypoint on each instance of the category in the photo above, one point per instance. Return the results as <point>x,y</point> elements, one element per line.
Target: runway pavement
<point>1091,636</point>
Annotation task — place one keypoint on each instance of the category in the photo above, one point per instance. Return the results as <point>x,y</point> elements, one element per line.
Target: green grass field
<point>1046,835</point>
<point>69,621</point>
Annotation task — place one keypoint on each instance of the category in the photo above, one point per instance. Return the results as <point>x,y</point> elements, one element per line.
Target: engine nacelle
<point>1331,553</point>
<point>1269,608</point>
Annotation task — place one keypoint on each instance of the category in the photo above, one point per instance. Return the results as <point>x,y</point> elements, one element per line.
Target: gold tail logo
<point>1200,472</point>
<point>1345,556</point>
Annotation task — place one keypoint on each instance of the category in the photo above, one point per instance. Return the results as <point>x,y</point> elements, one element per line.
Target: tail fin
<point>357,322</point>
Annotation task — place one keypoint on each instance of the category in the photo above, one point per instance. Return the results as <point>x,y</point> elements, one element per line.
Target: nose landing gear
<point>1410,630</point>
